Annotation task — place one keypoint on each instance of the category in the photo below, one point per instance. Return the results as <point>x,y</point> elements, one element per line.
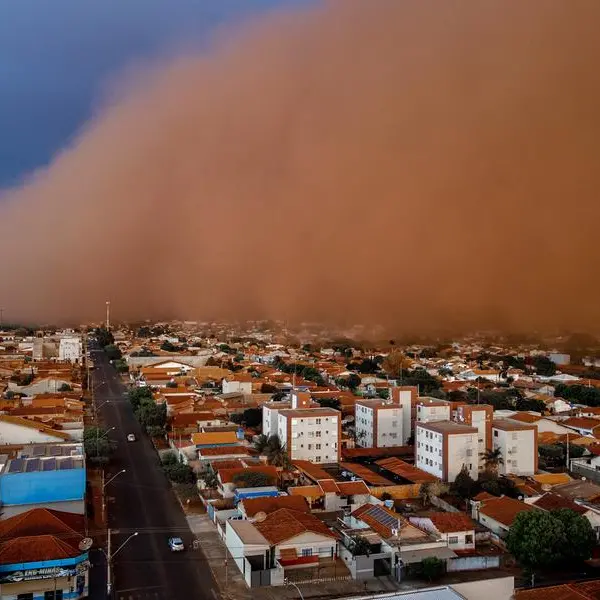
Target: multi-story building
<point>481,417</point>
<point>312,434</point>
<point>378,423</point>
<point>433,409</point>
<point>270,410</point>
<point>406,397</point>
<point>443,447</point>
<point>70,349</point>
<point>517,443</point>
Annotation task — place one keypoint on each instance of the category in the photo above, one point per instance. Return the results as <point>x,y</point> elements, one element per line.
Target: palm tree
<point>492,459</point>
<point>277,452</point>
<point>262,443</point>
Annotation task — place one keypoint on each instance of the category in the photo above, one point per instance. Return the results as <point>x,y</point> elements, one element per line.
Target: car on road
<point>131,437</point>
<point>176,544</point>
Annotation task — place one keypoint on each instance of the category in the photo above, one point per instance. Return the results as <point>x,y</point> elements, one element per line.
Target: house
<point>443,447</point>
<point>240,383</point>
<point>281,541</point>
<point>457,529</point>
<point>583,425</point>
<point>518,446</point>
<point>43,555</point>
<point>228,478</point>
<point>330,495</point>
<point>253,508</point>
<point>497,514</point>
<point>19,430</point>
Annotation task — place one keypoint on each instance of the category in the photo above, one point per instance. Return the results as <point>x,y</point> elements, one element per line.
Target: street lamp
<point>286,581</point>
<point>110,556</point>
<point>104,485</point>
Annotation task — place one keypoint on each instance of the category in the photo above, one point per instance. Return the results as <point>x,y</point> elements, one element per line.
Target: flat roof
<point>448,427</point>
<point>510,425</point>
<point>247,533</point>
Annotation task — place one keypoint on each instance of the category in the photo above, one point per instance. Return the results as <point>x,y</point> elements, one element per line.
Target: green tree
<point>180,473</point>
<point>432,568</point>
<point>492,458</point>
<point>580,533</point>
<point>261,444</point>
<point>150,414</point>
<point>464,486</point>
<point>121,366</point>
<point>104,336</point>
<point>537,539</point>
<point>252,417</point>
<point>65,387</point>
<point>112,352</point>
<point>277,453</point>
<point>329,403</point>
<point>97,446</point>
<point>544,366</point>
<point>138,395</point>
<point>351,381</point>
<point>169,458</point>
<point>360,546</point>
<point>171,384</point>
<point>248,479</point>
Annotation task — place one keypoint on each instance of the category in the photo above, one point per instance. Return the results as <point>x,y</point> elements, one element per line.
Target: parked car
<point>176,544</point>
<point>131,437</point>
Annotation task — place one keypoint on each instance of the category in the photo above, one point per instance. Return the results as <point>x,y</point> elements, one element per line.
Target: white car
<point>131,437</point>
<point>176,544</point>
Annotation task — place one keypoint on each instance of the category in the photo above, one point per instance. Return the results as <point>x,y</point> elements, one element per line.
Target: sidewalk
<point>232,584</point>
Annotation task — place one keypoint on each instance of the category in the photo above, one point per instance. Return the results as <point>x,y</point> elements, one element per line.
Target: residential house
<point>18,430</point>
<point>330,495</point>
<point>443,447</point>
<point>457,529</point>
<point>255,508</point>
<point>228,478</point>
<point>583,425</point>
<point>497,514</point>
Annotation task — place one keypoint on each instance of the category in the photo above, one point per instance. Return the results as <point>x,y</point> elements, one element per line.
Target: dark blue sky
<point>55,55</point>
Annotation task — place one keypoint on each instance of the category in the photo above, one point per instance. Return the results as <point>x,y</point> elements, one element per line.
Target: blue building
<point>48,475</point>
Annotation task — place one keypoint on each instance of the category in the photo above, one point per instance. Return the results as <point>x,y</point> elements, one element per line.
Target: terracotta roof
<point>366,474</point>
<point>285,524</point>
<point>350,453</point>
<point>446,522</point>
<point>269,505</point>
<point>40,521</point>
<point>36,548</point>
<point>306,491</point>
<point>483,496</point>
<point>504,510</point>
<point>552,478</point>
<point>447,427</point>
<point>551,501</point>
<point>525,417</point>
<point>369,514</point>
<point>310,413</point>
<point>228,475</point>
<point>225,451</point>
<point>353,488</point>
<point>328,486</point>
<point>555,592</point>
<point>206,439</point>
<point>405,470</point>
<point>315,472</point>
<point>581,422</point>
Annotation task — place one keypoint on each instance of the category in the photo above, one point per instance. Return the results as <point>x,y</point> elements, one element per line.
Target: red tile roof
<point>504,510</point>
<point>41,521</point>
<point>552,501</point>
<point>352,488</point>
<point>328,486</point>
<point>36,548</point>
<point>269,505</point>
<point>285,524</point>
<point>228,475</point>
<point>366,474</point>
<point>405,470</point>
<point>446,522</point>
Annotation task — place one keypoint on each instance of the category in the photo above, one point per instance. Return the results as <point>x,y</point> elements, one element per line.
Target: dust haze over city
<point>414,164</point>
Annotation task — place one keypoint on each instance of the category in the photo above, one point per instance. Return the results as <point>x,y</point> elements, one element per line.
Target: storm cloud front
<point>413,163</point>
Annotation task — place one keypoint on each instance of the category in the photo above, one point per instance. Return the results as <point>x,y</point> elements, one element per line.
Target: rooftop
<point>448,427</point>
<point>284,524</point>
<point>510,425</point>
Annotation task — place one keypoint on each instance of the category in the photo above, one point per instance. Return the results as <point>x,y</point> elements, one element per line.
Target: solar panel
<point>32,464</point>
<point>56,450</point>
<point>49,464</point>
<point>16,465</point>
<point>65,463</point>
<point>39,450</point>
<point>66,450</point>
<point>383,517</point>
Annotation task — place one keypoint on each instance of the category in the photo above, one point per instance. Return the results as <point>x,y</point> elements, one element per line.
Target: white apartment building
<point>433,409</point>
<point>70,349</point>
<point>481,417</point>
<point>518,446</point>
<point>378,423</point>
<point>443,447</point>
<point>270,411</point>
<point>406,397</point>
<point>312,434</point>
<point>236,387</point>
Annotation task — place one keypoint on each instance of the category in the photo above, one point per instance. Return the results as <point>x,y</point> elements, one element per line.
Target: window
<point>394,423</point>
<point>318,434</point>
<point>495,433</point>
<point>468,539</point>
<point>317,446</point>
<point>310,446</point>
<point>469,452</point>
<point>306,551</point>
<point>453,539</point>
<point>318,421</point>
<point>28,596</point>
<point>317,459</point>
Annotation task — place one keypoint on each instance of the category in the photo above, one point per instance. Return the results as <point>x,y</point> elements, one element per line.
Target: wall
<point>428,449</point>
<point>320,545</point>
<point>72,506</point>
<point>389,427</point>
<point>462,450</point>
<point>500,588</point>
<point>397,492</point>
<point>516,446</point>
<point>308,431</point>
<point>364,423</point>
<point>49,486</point>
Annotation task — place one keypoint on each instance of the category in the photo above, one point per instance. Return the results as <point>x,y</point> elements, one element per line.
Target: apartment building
<point>70,349</point>
<point>443,447</point>
<point>406,397</point>
<point>312,434</point>
<point>518,446</point>
<point>379,423</point>
<point>433,409</point>
<point>270,410</point>
<point>479,416</point>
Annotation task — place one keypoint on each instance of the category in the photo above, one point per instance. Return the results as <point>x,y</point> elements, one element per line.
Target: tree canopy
<point>248,479</point>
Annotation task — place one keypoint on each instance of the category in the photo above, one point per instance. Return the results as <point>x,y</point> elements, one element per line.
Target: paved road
<point>141,500</point>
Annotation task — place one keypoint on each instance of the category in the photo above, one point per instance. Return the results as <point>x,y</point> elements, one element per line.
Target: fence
<point>585,471</point>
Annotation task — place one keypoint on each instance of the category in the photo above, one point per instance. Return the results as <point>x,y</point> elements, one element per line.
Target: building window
<point>318,433</point>
<point>28,596</point>
<point>468,539</point>
<point>495,433</point>
<point>310,446</point>
<point>306,551</point>
<point>394,423</point>
<point>317,459</point>
<point>317,446</point>
<point>318,421</point>
<point>469,452</point>
<point>453,539</point>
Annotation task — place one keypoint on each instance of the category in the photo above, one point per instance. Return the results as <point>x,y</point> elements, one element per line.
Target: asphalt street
<point>141,500</point>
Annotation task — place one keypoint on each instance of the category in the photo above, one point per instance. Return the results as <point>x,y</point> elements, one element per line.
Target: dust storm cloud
<point>413,163</point>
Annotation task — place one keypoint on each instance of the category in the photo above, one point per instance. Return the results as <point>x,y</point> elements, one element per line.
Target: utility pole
<point>108,315</point>
<point>108,565</point>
